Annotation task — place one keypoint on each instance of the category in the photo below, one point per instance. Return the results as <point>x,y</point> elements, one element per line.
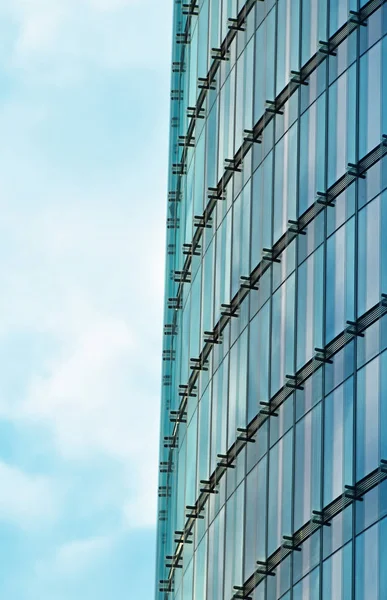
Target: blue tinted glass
<point>274,354</point>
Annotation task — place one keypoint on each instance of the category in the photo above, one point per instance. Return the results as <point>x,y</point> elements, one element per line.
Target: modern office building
<point>273,460</point>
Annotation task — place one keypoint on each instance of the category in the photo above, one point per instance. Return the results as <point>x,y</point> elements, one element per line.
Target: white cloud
<point>87,270</point>
<point>79,555</point>
<point>74,559</point>
<point>81,262</point>
<point>59,40</point>
<point>94,405</point>
<point>112,5</point>
<point>26,500</point>
<point>98,395</point>
<point>86,398</point>
<point>140,509</point>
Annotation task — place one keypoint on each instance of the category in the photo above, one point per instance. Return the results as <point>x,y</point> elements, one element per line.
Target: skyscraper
<point>274,408</point>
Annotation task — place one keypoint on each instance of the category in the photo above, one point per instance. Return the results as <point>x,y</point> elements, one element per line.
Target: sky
<point>84,111</point>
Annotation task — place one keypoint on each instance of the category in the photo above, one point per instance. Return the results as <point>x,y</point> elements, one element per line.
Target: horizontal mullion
<point>294,542</point>
<point>284,241</point>
<point>310,66</point>
<point>214,67</point>
<point>346,336</point>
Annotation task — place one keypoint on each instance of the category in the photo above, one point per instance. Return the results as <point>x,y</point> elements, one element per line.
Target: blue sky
<point>84,110</point>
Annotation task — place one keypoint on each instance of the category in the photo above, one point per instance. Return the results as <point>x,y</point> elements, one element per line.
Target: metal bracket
<point>355,17</point>
<point>263,568</point>
<point>296,77</point>
<point>350,491</point>
<point>231,165</point>
<point>216,53</point>
<point>229,311</point>
<point>289,544</point>
<point>269,255</point>
<point>293,383</point>
<point>318,517</point>
<point>204,83</point>
<point>322,356</point>
<point>245,437</point>
<point>294,227</point>
<point>187,390</point>
<point>325,199</point>
<point>246,283</point>
<point>272,108</point>
<point>354,170</point>
<point>196,113</point>
<point>213,337</point>
<point>353,329</point>
<point>267,410</point>
<point>183,38</point>
<point>325,48</point>
<point>234,25</point>
<point>225,461</point>
<point>190,9</point>
<point>189,250</point>
<point>186,141</point>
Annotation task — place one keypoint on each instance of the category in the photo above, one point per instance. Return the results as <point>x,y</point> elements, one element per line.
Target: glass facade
<point>273,452</point>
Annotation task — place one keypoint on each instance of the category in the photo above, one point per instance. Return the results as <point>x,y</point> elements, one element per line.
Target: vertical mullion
<point>274,84</point>
<point>325,275</point>
<point>296,298</point>
<point>356,294</point>
<point>248,334</point>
